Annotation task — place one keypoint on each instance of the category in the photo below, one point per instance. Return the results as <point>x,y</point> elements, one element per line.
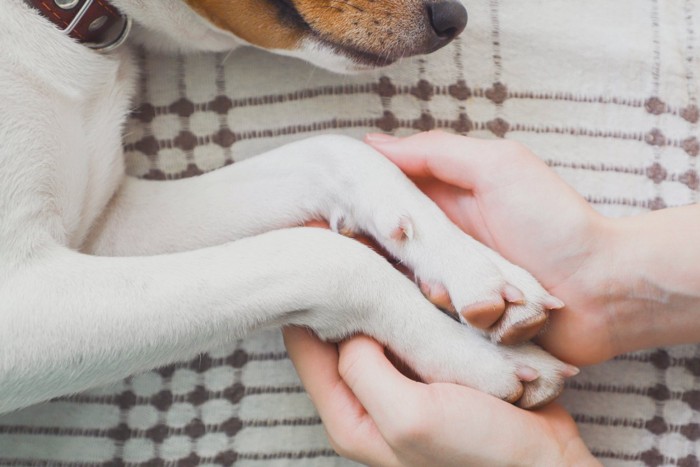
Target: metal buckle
<point>111,44</point>
<point>76,20</point>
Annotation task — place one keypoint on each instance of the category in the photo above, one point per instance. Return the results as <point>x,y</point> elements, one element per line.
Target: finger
<point>458,160</point>
<point>381,389</point>
<point>435,154</point>
<point>459,204</point>
<point>315,361</point>
<point>351,431</point>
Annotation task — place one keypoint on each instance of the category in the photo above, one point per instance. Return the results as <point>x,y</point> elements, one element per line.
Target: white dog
<point>103,276</point>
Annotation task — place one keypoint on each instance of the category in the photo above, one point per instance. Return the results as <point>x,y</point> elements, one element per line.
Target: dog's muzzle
<point>97,24</point>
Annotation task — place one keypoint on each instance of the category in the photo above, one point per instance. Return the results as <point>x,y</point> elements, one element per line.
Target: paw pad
<point>485,314</point>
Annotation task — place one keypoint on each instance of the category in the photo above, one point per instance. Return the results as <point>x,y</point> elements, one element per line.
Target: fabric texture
<point>605,92</point>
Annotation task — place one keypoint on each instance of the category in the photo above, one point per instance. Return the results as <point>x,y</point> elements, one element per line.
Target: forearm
<point>653,277</point>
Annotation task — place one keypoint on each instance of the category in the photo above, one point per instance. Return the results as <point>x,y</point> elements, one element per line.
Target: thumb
<point>381,389</point>
<point>466,162</point>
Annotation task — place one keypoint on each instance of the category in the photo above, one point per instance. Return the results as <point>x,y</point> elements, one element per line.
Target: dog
<point>103,276</point>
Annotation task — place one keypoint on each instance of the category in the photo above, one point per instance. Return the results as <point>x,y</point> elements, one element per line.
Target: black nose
<point>448,18</point>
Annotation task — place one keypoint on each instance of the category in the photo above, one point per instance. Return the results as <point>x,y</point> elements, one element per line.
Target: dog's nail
<point>379,138</point>
<point>553,303</point>
<point>483,315</point>
<point>527,374</point>
<point>571,371</point>
<point>513,295</point>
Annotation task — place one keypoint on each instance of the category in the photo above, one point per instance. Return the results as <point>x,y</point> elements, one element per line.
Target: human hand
<point>504,196</point>
<point>375,415</point>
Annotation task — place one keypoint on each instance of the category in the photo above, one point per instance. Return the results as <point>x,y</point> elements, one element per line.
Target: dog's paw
<point>524,375</point>
<point>526,313</point>
<point>541,374</point>
<point>384,304</point>
<point>454,271</point>
<point>480,288</point>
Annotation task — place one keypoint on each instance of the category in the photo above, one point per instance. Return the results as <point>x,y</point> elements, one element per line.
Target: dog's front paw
<point>527,308</point>
<point>382,303</point>
<point>525,374</point>
<point>455,272</point>
<point>482,289</point>
<point>541,374</point>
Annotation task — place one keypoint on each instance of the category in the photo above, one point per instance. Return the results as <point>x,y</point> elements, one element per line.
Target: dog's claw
<point>571,371</point>
<point>553,303</point>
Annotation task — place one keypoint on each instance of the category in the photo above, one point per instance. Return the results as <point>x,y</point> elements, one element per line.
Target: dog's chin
<point>336,58</point>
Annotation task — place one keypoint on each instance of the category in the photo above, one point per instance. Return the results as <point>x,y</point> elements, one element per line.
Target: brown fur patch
<point>374,26</point>
<point>255,21</point>
<point>371,31</point>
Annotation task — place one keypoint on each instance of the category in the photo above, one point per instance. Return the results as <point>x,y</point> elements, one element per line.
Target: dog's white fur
<point>102,275</point>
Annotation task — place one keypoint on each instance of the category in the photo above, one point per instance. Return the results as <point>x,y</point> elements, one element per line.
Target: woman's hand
<point>505,197</point>
<point>375,415</point>
<point>627,283</point>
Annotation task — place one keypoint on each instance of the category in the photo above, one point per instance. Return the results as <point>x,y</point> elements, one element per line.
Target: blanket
<point>605,92</point>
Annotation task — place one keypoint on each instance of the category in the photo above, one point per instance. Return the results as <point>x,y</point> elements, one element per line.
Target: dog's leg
<point>348,183</point>
<point>70,321</point>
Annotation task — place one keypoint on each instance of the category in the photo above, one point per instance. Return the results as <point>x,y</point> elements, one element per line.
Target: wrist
<point>564,443</point>
<point>576,454</point>
<point>648,280</point>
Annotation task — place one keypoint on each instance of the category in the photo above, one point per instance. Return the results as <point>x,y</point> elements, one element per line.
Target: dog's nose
<point>448,18</point>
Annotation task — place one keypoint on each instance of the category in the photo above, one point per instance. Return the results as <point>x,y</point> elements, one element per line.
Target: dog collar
<point>95,23</point>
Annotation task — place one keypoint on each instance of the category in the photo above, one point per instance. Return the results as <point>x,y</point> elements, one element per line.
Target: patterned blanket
<point>605,92</point>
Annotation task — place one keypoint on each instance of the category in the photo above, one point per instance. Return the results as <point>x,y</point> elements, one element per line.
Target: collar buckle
<point>113,42</point>
<point>94,23</point>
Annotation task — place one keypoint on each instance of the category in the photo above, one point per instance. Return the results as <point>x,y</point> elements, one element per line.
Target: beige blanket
<point>605,91</point>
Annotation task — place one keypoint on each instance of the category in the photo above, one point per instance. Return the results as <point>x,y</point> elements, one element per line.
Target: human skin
<point>628,284</point>
<point>375,415</point>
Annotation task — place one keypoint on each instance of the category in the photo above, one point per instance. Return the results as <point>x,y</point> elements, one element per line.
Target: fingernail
<point>553,303</point>
<point>379,138</point>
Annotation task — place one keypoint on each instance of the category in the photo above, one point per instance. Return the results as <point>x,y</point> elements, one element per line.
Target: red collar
<point>95,23</point>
